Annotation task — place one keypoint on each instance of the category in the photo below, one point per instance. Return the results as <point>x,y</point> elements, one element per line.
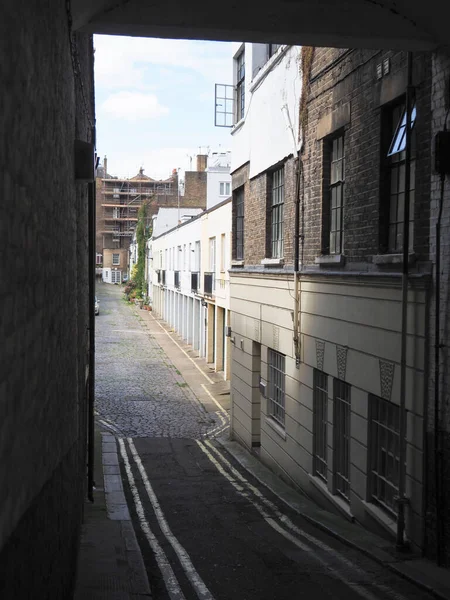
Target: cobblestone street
<point>139,392</point>
<point>208,520</point>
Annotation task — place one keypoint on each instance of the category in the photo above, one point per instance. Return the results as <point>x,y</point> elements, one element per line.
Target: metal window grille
<point>277,213</point>
<point>276,400</point>
<point>115,259</point>
<point>337,176</point>
<point>384,447</point>
<point>320,418</point>
<point>397,163</point>
<point>239,222</point>
<point>342,410</point>
<point>240,86</point>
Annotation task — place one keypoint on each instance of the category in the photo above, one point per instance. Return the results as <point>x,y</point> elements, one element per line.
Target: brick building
<point>323,348</point>
<point>118,202</point>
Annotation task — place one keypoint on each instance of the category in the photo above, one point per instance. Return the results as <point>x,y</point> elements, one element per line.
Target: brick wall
<point>346,97</point>
<point>44,295</point>
<point>194,189</point>
<point>440,106</point>
<point>257,215</point>
<point>108,258</point>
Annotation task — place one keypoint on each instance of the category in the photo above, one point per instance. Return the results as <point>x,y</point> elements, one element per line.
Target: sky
<point>155,102</point>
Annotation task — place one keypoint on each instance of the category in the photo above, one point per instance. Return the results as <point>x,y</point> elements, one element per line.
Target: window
<point>212,254</point>
<point>98,259</point>
<point>277,210</point>
<point>320,418</point>
<point>272,49</point>
<point>197,256</point>
<point>239,224</point>
<point>240,86</point>
<point>223,258</point>
<point>334,205</point>
<point>395,178</point>
<point>224,114</point>
<point>384,444</point>
<point>276,376</point>
<point>225,187</point>
<point>116,213</point>
<point>116,259</point>
<point>342,410</point>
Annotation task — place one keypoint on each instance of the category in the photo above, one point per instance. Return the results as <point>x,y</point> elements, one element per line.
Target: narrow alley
<point>207,527</point>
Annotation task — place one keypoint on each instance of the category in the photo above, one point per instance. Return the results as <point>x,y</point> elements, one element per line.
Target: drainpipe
<point>402,501</point>
<point>91,384</point>
<point>437,347</point>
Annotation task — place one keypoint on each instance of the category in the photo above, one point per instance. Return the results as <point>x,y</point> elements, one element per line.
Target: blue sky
<point>155,102</point>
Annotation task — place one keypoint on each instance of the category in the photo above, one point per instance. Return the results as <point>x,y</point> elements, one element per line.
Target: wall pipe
<point>437,348</point>
<point>402,501</point>
<point>91,384</point>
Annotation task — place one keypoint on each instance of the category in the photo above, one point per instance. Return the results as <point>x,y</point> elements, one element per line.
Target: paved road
<point>207,529</point>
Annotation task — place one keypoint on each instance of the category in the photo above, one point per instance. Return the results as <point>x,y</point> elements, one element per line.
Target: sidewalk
<point>110,565</point>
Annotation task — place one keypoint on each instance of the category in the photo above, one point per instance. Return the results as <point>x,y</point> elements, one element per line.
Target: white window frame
<point>225,188</point>
<point>276,399</point>
<point>116,259</point>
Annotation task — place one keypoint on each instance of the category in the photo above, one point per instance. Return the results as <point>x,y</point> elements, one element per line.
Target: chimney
<point>105,165</point>
<point>202,162</point>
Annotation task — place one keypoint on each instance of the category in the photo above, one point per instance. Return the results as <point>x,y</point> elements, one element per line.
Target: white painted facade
<point>182,262</point>
<point>218,178</point>
<point>269,130</point>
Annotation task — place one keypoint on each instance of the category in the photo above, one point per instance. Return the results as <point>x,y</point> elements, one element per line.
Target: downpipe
<point>91,381</point>
<point>402,501</point>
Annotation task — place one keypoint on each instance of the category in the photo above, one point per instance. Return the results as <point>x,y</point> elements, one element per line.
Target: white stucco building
<point>189,281</point>
<point>218,178</point>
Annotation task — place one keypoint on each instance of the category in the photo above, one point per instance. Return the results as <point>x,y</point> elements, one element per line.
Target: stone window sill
<point>392,259</point>
<point>237,263</point>
<point>277,428</point>
<point>341,505</point>
<point>273,262</point>
<point>382,518</point>
<point>330,259</point>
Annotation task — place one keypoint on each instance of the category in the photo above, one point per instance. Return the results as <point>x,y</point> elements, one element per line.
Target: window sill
<point>237,126</point>
<point>276,427</point>
<point>237,263</point>
<point>392,259</point>
<point>273,262</point>
<point>382,518</point>
<point>340,504</point>
<point>330,259</point>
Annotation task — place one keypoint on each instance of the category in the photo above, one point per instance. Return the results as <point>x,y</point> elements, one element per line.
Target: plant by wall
<point>142,235</point>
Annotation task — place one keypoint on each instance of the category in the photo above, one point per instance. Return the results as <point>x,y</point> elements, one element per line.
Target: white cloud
<point>133,106</point>
<point>123,62</point>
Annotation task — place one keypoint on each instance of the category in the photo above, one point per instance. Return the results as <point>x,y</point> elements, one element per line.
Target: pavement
<point>110,562</point>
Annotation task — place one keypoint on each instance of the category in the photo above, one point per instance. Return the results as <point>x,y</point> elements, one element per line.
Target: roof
<point>167,218</point>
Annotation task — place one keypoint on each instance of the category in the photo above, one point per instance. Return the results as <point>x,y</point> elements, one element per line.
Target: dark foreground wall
<point>43,299</point>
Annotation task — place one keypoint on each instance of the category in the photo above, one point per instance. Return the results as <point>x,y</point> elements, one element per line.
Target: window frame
<point>341,438</point>
<point>276,395</point>
<point>226,187</point>
<point>238,223</point>
<point>392,191</point>
<point>377,476</point>
<point>334,199</point>
<point>320,424</point>
<point>115,254</point>
<point>272,49</point>
<point>276,210</point>
<point>240,85</point>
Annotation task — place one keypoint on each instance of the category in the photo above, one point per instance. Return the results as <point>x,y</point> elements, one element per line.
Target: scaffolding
<point>121,200</point>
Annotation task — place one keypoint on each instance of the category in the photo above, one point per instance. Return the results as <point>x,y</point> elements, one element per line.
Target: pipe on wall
<point>402,501</point>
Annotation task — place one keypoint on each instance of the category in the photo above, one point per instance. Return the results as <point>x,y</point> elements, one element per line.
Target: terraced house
<point>331,356</point>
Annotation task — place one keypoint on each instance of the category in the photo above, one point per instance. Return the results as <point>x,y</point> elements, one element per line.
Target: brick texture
<point>44,296</point>
<point>194,189</point>
<point>340,78</point>
<point>438,498</point>
<point>257,198</point>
